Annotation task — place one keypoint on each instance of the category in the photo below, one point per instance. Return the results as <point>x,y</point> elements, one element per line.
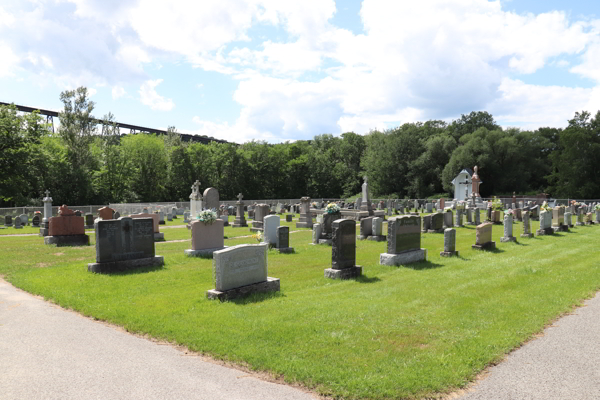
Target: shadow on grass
<point>256,298</point>
<point>141,270</point>
<point>421,265</point>
<point>365,279</point>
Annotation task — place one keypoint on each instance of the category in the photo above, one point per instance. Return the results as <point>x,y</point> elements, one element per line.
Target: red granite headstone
<point>66,224</point>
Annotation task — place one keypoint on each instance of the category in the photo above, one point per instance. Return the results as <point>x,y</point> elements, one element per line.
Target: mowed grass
<point>397,332</point>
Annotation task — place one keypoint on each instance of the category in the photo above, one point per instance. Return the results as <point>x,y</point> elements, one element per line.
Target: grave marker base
<point>125,265</point>
<point>579,223</point>
<point>406,257</point>
<point>159,237</point>
<point>68,240</point>
<point>485,246</point>
<point>527,235</point>
<point>161,222</point>
<point>346,273</point>
<point>562,228</point>
<point>328,242</point>
<point>448,253</point>
<point>285,250</point>
<point>270,285</point>
<point>236,225</point>
<point>435,231</point>
<point>590,223</point>
<point>202,252</point>
<point>505,239</point>
<point>380,238</point>
<point>252,229</point>
<point>542,232</point>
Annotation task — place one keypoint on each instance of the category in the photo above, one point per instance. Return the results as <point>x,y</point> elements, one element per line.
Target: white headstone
<point>271,222</point>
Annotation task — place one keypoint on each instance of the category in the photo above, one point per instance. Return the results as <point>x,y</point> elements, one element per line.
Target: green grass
<point>397,332</point>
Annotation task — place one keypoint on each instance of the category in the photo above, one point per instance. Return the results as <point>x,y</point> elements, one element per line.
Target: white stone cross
<point>47,193</point>
<point>240,197</point>
<point>365,178</point>
<point>195,186</point>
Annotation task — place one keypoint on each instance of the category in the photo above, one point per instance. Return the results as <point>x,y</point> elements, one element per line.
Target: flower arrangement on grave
<point>258,236</point>
<point>314,204</point>
<point>497,204</point>
<point>207,216</point>
<point>545,206</point>
<point>332,208</point>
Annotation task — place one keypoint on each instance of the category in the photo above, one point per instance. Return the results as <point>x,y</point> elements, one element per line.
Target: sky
<point>277,70</point>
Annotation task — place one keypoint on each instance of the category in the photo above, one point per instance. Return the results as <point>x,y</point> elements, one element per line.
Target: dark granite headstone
<point>35,221</point>
<point>283,237</point>
<point>343,244</point>
<point>8,220</point>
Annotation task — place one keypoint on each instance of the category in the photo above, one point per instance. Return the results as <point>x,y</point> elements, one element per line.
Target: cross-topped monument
<point>195,199</point>
<point>366,203</point>
<point>240,197</point>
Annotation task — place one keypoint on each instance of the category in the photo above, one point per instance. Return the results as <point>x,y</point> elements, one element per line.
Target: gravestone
<point>206,238</point>
<point>67,229</point>
<point>437,223</point>
<point>558,220</point>
<point>458,219</point>
<point>283,240</point>
<point>579,217</point>
<point>24,219</point>
<point>403,242</point>
<point>469,211</point>
<point>316,231</point>
<point>17,222</point>
<point>376,230</point>
<point>78,213</point>
<point>195,200</point>
<point>105,213</point>
<point>169,216</point>
<point>448,219</point>
<point>366,228</point>
<point>508,228</point>
<point>47,214</point>
<point>89,221</point>
<point>327,226</point>
<point>305,220</point>
<point>8,220</point>
<point>366,203</point>
<point>343,251</point>
<point>174,213</point>
<point>483,237</point>
<point>597,216</point>
<point>260,212</point>
<point>161,217</point>
<point>429,207</point>
<point>225,219</point>
<point>211,199</point>
<point>271,223</point>
<point>477,215</point>
<point>36,220</point>
<point>186,217</point>
<point>526,225</point>
<point>240,220</point>
<point>426,224</point>
<point>545,224</point>
<point>158,236</point>
<point>589,218</point>
<point>535,212</point>
<point>568,219</point>
<point>288,218</point>
<point>241,270</point>
<point>449,243</point>
<point>124,244</point>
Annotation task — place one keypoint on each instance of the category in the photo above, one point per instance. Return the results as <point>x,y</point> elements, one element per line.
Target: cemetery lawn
<point>397,332</point>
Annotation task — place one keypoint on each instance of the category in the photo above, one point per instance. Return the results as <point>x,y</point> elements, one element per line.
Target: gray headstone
<point>271,223</point>
<point>366,227</point>
<point>89,219</point>
<point>240,265</point>
<point>449,240</point>
<point>35,221</point>
<point>437,221</point>
<point>211,199</point>
<point>526,223</point>
<point>404,234</point>
<point>8,220</point>
<point>477,218</point>
<point>448,223</point>
<point>17,222</point>
<point>377,226</point>
<point>508,225</point>
<point>24,219</point>
<point>316,233</point>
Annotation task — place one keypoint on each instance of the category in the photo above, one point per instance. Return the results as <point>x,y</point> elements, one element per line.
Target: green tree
<point>77,127</point>
<point>20,137</point>
<point>149,166</point>
<point>575,161</point>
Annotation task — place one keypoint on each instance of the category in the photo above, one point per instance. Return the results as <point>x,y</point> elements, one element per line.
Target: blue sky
<point>274,70</point>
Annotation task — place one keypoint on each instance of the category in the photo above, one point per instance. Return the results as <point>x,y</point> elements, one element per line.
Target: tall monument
<point>366,202</point>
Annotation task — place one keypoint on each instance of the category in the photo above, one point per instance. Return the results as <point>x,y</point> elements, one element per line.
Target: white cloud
<point>118,91</point>
<point>9,60</point>
<point>149,96</point>
<point>91,91</point>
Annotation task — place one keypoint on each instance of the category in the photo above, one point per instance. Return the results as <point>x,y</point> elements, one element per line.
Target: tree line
<point>83,163</point>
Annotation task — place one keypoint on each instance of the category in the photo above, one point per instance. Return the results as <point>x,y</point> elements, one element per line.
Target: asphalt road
<point>563,363</point>
<point>50,353</point>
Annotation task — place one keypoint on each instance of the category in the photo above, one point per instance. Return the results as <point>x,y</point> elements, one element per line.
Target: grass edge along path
<point>399,332</point>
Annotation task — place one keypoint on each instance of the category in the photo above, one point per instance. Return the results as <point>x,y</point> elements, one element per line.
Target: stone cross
<point>47,193</point>
<point>240,197</point>
<point>195,186</point>
<point>365,178</point>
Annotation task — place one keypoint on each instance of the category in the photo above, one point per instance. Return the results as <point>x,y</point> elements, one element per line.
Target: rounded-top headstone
<point>211,198</point>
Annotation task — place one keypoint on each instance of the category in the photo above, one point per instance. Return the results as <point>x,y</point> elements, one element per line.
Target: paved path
<point>49,353</point>
<point>564,363</point>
